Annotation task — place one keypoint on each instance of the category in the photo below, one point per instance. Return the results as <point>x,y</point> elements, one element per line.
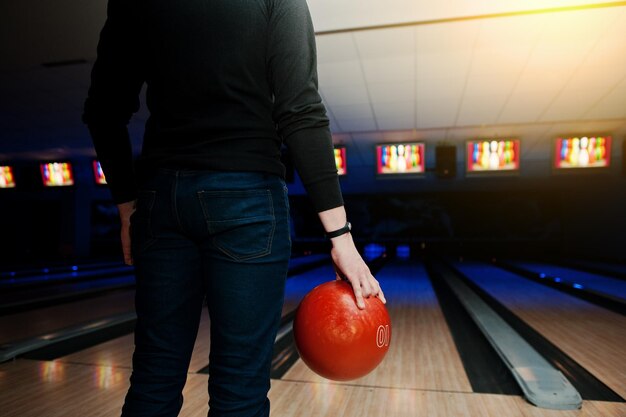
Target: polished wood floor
<point>56,389</point>
<point>422,374</point>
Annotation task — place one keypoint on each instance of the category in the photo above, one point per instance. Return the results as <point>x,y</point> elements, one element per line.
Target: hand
<point>126,210</point>
<point>350,266</point>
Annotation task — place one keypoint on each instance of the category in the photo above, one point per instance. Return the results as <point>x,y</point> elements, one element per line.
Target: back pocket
<point>242,222</point>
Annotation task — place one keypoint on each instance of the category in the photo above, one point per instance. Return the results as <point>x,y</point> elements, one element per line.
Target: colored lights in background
<point>493,155</point>
<point>7,179</point>
<point>98,173</point>
<point>372,251</point>
<point>484,156</point>
<point>57,174</point>
<point>340,160</point>
<point>403,158</point>
<point>403,252</point>
<point>582,152</point>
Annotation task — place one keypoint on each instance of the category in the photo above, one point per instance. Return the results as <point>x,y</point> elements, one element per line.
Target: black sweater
<point>228,81</point>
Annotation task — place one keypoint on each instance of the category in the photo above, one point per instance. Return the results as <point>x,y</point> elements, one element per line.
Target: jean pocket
<point>142,233</point>
<point>241,222</point>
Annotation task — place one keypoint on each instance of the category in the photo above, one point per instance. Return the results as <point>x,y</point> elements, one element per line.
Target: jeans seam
<point>205,211</point>
<point>174,201</point>
<point>150,235</point>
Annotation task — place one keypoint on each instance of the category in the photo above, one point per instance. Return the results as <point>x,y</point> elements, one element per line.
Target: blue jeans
<point>223,236</point>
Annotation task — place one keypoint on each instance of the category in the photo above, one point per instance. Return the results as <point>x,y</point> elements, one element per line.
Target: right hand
<point>126,210</point>
<point>349,265</point>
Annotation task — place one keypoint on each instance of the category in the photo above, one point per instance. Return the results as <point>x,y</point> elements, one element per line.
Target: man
<point>206,214</point>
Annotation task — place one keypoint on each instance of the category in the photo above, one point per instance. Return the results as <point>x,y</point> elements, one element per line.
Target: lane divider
<point>542,384</point>
<point>15,349</point>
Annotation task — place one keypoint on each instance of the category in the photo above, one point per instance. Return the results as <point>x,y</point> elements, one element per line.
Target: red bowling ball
<point>336,339</point>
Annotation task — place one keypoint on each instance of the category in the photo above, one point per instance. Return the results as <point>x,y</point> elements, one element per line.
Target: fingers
<point>371,288</point>
<point>366,287</point>
<point>350,266</point>
<point>358,294</point>
<point>380,294</point>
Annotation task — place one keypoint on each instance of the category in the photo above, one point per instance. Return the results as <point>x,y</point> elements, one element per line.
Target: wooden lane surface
<point>293,399</point>
<point>422,353</point>
<point>118,352</point>
<point>38,322</point>
<point>56,389</point>
<point>611,286</point>
<point>592,336</point>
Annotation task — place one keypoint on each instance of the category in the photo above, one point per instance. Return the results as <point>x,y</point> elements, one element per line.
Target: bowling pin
<point>494,161</point>
<point>583,157</point>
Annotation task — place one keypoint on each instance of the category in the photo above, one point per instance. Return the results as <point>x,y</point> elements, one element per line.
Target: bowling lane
<point>29,298</point>
<point>297,287</point>
<point>19,294</point>
<point>604,268</point>
<point>330,400</point>
<point>300,261</point>
<point>422,353</point>
<point>81,385</point>
<point>38,322</point>
<point>30,272</point>
<point>118,352</point>
<point>74,274</point>
<point>592,336</point>
<point>599,283</point>
<point>44,320</point>
<point>54,389</point>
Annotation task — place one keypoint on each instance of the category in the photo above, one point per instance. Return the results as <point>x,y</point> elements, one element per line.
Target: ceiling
<point>441,71</point>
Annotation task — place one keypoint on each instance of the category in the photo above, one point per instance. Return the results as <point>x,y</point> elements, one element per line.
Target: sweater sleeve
<point>299,113</point>
<point>113,97</point>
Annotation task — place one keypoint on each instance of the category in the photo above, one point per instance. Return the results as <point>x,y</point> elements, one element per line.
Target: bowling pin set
<point>340,160</point>
<point>6,177</point>
<point>489,155</point>
<point>400,158</point>
<point>494,155</point>
<point>57,174</point>
<point>582,152</point>
<point>98,173</point>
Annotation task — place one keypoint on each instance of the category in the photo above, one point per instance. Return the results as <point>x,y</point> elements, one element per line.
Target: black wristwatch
<point>339,232</point>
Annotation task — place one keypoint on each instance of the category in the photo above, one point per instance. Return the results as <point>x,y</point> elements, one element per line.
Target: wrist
<point>343,230</point>
<point>341,241</point>
<point>126,210</point>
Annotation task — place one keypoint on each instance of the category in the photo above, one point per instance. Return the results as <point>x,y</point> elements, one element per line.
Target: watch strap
<point>345,229</point>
